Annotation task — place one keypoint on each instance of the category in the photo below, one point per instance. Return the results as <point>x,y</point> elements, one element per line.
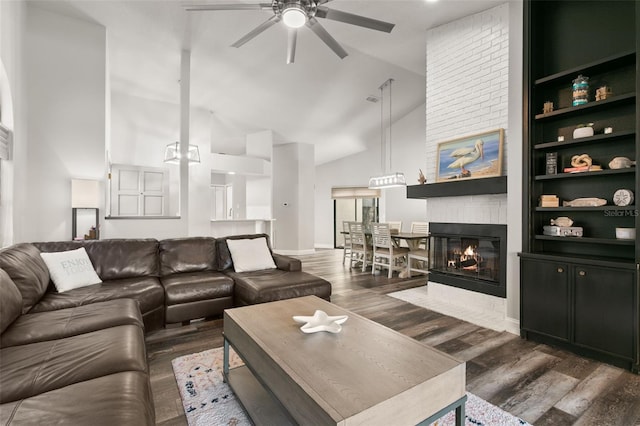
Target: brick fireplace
<point>469,256</point>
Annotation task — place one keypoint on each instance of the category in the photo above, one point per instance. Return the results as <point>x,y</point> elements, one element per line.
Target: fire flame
<point>469,251</point>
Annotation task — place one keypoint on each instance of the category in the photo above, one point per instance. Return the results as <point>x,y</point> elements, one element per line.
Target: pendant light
<point>172,154</point>
<point>386,180</point>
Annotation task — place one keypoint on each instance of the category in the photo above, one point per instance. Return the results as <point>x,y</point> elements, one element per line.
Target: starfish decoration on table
<point>320,321</point>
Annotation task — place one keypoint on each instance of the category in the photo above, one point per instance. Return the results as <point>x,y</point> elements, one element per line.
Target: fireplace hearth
<point>469,256</point>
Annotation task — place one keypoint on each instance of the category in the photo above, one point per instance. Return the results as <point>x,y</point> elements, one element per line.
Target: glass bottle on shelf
<point>580,90</point>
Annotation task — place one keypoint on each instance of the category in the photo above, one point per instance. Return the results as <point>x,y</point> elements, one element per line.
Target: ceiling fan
<point>296,14</point>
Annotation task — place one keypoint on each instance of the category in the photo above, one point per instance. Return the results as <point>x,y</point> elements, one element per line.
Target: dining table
<point>413,239</point>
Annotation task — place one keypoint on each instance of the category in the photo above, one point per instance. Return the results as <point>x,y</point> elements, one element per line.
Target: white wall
<point>239,190</point>
<point>12,197</point>
<point>514,182</point>
<point>474,78</point>
<point>408,156</point>
<point>65,90</point>
<point>258,197</point>
<point>293,197</point>
<point>140,130</point>
<point>199,220</point>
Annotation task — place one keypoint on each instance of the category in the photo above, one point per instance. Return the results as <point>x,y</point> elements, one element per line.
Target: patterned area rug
<point>208,401</point>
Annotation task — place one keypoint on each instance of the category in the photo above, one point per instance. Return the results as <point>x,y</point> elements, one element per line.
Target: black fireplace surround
<point>469,256</point>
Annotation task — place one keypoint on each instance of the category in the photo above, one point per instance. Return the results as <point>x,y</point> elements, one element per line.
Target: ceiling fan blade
<point>350,18</point>
<point>260,28</point>
<point>228,6</point>
<point>291,45</point>
<point>319,30</point>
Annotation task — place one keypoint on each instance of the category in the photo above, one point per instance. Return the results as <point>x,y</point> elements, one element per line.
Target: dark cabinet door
<point>605,313</point>
<point>545,298</point>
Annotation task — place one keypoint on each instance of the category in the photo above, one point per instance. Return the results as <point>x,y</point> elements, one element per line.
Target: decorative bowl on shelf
<point>583,132</point>
<point>320,321</point>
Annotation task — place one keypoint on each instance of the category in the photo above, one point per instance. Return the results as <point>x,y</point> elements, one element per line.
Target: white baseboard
<point>295,252</point>
<point>324,246</point>
<point>512,325</point>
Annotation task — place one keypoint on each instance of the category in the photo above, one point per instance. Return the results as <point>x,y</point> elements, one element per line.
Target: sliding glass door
<point>352,209</point>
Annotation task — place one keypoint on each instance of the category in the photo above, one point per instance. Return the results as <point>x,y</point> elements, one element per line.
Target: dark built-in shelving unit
<point>581,293</point>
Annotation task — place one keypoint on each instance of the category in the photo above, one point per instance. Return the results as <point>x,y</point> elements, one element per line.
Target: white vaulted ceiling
<point>320,99</point>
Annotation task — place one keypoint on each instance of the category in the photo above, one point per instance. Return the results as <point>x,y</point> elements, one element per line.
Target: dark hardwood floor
<point>538,383</point>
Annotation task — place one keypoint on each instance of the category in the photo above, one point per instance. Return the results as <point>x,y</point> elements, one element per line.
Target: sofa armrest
<point>287,263</point>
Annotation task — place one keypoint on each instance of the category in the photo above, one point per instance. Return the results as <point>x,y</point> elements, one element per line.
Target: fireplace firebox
<point>469,256</point>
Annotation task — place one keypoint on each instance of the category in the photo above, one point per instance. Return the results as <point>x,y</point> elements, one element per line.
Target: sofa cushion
<point>114,259</point>
<point>196,286</point>
<point>70,269</point>
<point>187,255</point>
<point>10,301</point>
<point>146,290</point>
<point>275,284</point>
<point>43,326</point>
<point>222,250</point>
<point>27,270</point>
<point>251,254</point>
<point>29,370</point>
<point>122,399</point>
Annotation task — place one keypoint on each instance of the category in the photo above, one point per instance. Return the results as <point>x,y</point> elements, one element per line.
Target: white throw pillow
<point>70,269</point>
<point>250,255</point>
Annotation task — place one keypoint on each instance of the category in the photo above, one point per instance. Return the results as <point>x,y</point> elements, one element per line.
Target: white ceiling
<point>319,99</point>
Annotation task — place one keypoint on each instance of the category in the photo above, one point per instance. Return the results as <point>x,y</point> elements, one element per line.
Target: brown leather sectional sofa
<point>79,357</point>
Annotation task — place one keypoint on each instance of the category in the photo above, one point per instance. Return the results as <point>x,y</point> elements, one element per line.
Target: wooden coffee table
<point>367,374</point>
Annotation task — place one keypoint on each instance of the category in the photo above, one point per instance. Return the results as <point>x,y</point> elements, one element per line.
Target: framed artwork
<point>471,157</point>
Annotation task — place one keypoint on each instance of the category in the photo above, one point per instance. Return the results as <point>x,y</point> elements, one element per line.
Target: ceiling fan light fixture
<point>294,16</point>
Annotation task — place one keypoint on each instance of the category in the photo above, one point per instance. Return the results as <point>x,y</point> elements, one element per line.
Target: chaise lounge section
<point>286,281</point>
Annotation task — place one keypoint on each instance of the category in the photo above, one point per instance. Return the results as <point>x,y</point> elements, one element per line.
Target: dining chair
<point>346,251</point>
<point>420,228</point>
<point>385,253</point>
<point>418,261</point>
<point>395,227</point>
<point>361,249</point>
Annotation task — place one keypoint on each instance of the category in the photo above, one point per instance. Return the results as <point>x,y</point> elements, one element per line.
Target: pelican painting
<point>471,157</point>
<point>467,155</point>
